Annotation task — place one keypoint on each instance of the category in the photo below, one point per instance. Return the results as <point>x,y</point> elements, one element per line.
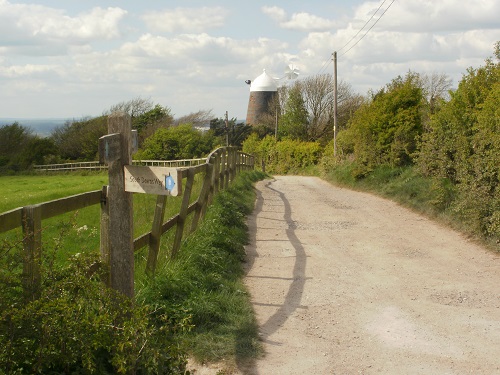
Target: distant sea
<point>42,127</point>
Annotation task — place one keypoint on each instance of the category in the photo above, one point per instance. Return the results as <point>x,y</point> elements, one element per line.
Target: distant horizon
<point>44,126</point>
<point>40,126</point>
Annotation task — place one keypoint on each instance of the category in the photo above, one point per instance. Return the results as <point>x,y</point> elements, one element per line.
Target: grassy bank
<point>203,285</point>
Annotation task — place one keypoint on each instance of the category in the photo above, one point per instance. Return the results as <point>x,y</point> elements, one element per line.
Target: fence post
<point>183,212</point>
<point>32,243</point>
<point>222,183</point>
<point>115,149</point>
<point>230,163</point>
<point>203,198</point>
<point>239,160</point>
<point>154,238</point>
<point>104,238</point>
<point>234,163</point>
<point>216,174</point>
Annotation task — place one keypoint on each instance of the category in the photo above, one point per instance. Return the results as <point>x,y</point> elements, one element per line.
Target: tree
<point>386,129</point>
<point>79,139</point>
<point>150,121</point>
<point>37,151</point>
<point>146,116</point>
<point>318,100</point>
<point>198,118</point>
<point>294,122</point>
<point>176,142</point>
<point>236,133</point>
<point>135,107</point>
<point>436,88</point>
<point>14,139</point>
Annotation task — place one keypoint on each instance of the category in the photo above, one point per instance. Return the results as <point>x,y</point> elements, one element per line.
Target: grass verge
<point>203,284</point>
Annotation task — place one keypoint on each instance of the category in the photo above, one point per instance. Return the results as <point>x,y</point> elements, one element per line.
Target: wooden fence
<point>218,170</point>
<point>98,166</point>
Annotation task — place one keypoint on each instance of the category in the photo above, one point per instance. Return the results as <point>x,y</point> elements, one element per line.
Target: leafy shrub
<point>287,155</point>
<point>462,145</point>
<point>386,129</point>
<point>179,142</point>
<point>79,326</point>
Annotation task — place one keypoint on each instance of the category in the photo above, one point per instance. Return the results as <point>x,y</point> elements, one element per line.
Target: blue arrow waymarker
<point>169,183</point>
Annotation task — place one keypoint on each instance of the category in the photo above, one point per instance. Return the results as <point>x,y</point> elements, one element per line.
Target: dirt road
<point>344,282</point>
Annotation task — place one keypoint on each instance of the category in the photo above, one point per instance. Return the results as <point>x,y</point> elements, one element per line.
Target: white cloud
<point>307,22</point>
<point>276,13</point>
<point>27,27</point>
<point>179,63</point>
<point>16,71</point>
<point>195,20</point>
<point>431,15</point>
<point>298,21</point>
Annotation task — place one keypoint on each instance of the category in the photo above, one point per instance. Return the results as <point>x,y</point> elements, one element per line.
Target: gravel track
<point>344,282</point>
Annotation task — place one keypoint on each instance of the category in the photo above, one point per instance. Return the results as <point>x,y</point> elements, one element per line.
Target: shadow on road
<point>293,297</point>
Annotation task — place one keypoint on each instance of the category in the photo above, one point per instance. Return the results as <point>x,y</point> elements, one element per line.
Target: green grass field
<point>19,191</point>
<point>77,231</point>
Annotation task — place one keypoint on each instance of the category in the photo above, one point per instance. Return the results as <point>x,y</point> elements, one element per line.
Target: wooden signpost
<point>115,149</point>
<point>152,180</point>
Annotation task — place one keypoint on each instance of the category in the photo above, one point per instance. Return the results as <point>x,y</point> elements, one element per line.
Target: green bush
<point>386,129</point>
<point>462,145</point>
<point>78,326</point>
<point>179,142</point>
<point>285,156</point>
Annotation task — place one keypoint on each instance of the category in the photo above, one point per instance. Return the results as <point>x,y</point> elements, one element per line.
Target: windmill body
<point>263,91</point>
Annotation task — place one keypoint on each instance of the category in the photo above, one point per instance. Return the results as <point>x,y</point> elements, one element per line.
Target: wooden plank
<point>141,241</point>
<point>202,199</point>
<point>170,223</point>
<point>154,238</point>
<point>183,213</point>
<point>199,168</point>
<point>11,219</point>
<point>71,203</point>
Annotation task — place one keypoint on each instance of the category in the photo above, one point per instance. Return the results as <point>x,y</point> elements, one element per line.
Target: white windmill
<point>263,91</point>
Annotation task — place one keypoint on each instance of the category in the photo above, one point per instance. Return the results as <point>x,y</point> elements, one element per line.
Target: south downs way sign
<point>153,180</point>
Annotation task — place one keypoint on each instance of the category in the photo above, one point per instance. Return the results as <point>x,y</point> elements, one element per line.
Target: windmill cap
<point>264,82</point>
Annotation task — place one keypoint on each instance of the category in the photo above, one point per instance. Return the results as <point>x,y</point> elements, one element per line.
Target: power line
<point>325,65</point>
<point>366,23</point>
<point>360,39</point>
<point>329,60</point>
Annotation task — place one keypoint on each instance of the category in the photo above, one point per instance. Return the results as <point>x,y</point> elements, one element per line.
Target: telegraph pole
<point>227,129</point>
<point>335,96</point>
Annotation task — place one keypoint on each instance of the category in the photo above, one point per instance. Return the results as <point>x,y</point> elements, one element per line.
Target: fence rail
<point>219,168</point>
<point>97,166</point>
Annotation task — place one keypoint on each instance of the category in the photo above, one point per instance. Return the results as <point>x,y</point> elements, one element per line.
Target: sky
<point>77,58</point>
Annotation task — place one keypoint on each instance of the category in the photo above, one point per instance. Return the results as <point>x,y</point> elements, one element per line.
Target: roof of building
<point>264,82</point>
